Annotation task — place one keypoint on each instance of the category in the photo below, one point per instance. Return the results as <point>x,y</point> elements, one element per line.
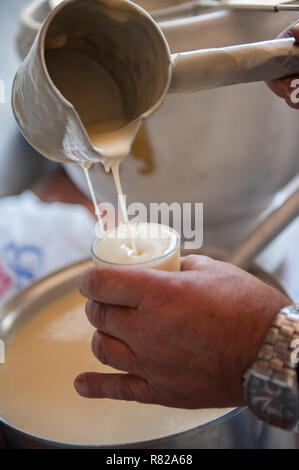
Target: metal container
<point>235,429</point>
<point>230,138</point>
<point>222,147</point>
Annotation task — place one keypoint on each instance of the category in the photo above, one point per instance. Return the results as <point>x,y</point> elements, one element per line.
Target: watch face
<point>272,403</point>
<point>271,384</point>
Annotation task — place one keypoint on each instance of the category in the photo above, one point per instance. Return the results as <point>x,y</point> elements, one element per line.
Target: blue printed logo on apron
<point>24,261</point>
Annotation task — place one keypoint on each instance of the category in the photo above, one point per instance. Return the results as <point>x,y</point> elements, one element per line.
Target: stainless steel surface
<point>236,429</point>
<point>249,4</point>
<point>193,8</point>
<point>239,430</point>
<point>212,68</point>
<point>241,143</point>
<point>163,10</point>
<point>284,209</point>
<point>20,165</point>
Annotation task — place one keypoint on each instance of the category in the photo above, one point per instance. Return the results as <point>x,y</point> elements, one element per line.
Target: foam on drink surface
<point>152,241</point>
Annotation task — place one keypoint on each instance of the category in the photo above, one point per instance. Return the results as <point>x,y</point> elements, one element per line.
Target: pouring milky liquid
<point>98,101</point>
<point>114,139</point>
<point>102,112</point>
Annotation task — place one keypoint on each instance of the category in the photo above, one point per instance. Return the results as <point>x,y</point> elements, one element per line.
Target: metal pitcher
<point>128,43</point>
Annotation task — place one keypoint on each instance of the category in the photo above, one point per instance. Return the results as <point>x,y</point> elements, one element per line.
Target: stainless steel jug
<point>110,34</point>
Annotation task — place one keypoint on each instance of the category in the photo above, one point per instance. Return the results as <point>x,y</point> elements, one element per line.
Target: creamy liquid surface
<point>37,393</point>
<point>155,244</point>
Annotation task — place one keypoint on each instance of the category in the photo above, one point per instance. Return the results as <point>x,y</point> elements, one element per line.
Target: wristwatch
<point>271,383</point>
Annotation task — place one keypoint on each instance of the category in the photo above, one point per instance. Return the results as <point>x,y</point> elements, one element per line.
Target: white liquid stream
<point>114,139</point>
<point>98,101</point>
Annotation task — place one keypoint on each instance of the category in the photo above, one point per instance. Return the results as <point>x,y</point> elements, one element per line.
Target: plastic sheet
<point>38,238</point>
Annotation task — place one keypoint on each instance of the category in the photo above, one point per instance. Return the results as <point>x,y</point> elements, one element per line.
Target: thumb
<point>115,386</point>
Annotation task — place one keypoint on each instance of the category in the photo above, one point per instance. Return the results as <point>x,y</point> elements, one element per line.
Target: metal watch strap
<point>271,384</point>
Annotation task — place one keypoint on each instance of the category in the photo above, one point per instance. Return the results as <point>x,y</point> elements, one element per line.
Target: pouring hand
<point>185,339</point>
<point>288,88</point>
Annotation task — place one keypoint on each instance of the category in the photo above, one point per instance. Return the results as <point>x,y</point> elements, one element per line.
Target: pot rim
<point>134,444</point>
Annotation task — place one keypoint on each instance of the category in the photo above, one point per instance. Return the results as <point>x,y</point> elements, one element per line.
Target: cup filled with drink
<point>140,245</point>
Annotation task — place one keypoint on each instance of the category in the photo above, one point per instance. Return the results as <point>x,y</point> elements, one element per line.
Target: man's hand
<point>283,87</point>
<point>185,339</point>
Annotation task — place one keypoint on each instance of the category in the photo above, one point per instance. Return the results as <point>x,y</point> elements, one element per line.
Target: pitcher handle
<point>212,68</point>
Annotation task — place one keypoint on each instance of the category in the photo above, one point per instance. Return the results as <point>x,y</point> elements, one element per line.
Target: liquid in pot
<point>37,393</point>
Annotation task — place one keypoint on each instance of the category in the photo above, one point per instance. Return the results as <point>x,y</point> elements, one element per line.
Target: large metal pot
<point>235,429</point>
<point>35,12</point>
<point>230,148</point>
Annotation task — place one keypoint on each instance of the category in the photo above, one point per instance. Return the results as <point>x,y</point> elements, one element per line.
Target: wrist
<point>251,330</point>
<point>262,321</point>
<point>271,383</point>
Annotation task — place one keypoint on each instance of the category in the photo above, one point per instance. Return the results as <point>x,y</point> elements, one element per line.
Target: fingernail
<point>81,386</point>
